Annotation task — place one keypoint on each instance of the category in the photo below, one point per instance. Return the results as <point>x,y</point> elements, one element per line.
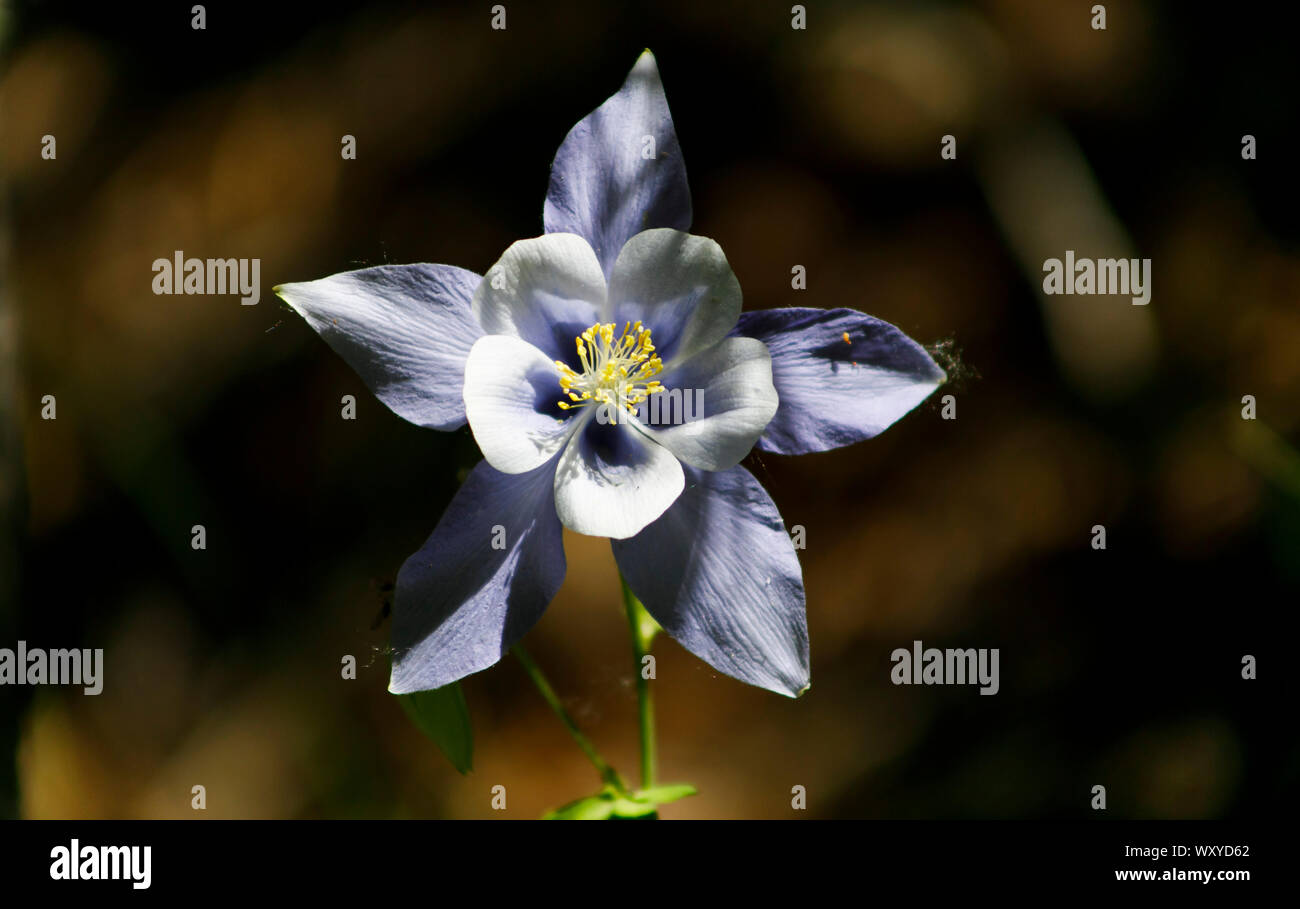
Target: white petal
<point>612,481</point>
<point>511,395</point>
<point>546,290</point>
<point>734,384</point>
<point>680,286</point>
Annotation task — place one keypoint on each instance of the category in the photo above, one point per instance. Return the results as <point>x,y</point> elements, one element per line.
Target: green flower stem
<point>607,773</point>
<point>643,629</point>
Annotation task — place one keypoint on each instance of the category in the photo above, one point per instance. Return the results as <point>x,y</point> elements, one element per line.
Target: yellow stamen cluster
<point>613,372</point>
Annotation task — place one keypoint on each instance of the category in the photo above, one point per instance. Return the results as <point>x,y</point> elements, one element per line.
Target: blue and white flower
<point>615,303</point>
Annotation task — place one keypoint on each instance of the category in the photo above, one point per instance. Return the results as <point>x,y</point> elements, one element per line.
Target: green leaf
<point>443,716</point>
<point>612,805</point>
<point>664,795</point>
<point>592,808</point>
<point>630,810</point>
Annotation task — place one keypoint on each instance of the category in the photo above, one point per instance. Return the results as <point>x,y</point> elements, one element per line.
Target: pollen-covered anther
<point>619,372</point>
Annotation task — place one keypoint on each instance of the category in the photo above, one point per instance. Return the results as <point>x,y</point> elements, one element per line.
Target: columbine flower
<point>550,358</point>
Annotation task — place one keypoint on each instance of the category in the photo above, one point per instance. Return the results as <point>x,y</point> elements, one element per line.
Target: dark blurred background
<point>817,147</point>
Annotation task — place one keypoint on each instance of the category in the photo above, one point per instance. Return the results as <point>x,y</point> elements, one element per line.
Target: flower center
<point>614,372</point>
